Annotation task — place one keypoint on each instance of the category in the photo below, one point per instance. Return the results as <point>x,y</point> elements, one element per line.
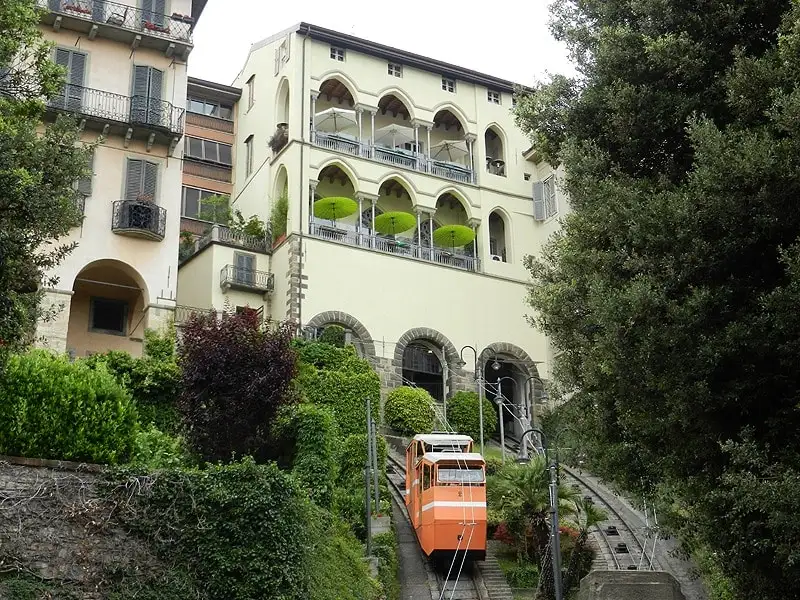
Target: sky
<point>509,39</point>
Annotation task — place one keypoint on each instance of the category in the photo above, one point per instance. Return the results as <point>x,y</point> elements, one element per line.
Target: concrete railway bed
<point>457,587</point>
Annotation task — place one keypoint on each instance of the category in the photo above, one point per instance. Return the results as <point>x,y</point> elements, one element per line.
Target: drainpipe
<point>302,181</point>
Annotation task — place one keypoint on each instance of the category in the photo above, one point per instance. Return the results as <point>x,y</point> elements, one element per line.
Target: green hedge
<point>410,410</point>
<point>384,546</point>
<point>241,531</point>
<point>329,357</point>
<point>334,335</point>
<point>345,394</point>
<point>51,408</point>
<point>353,455</point>
<point>463,415</point>
<point>310,434</point>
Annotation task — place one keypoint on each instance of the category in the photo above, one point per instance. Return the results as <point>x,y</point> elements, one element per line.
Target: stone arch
<point>344,80</point>
<point>426,334</point>
<point>400,95</point>
<point>282,102</point>
<point>346,168</point>
<point>281,182</point>
<point>457,113</point>
<point>458,195</point>
<point>517,354</point>
<point>411,190</point>
<point>348,321</point>
<point>504,246</point>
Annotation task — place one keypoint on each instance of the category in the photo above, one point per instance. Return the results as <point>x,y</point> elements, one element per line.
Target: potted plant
<point>75,7</point>
<point>280,138</point>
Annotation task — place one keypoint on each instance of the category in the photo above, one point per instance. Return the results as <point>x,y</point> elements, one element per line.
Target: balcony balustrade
<point>396,246</point>
<point>393,156</point>
<point>123,22</point>
<point>103,107</point>
<point>139,219</point>
<point>233,277</point>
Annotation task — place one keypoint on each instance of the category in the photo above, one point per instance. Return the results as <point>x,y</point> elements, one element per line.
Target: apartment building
<point>412,202</point>
<point>126,85</point>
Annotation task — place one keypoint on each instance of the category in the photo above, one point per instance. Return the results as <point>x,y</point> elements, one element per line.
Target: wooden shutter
<point>139,94</point>
<point>156,112</point>
<point>150,183</point>
<point>75,79</point>
<point>538,201</point>
<point>85,183</point>
<point>133,179</point>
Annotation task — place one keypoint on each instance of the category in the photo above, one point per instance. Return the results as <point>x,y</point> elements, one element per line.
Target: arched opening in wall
<point>107,310</point>
<point>423,368</point>
<point>279,206</point>
<point>335,122</point>
<point>449,150</point>
<point>498,240</point>
<point>393,131</point>
<point>394,196</point>
<point>505,380</point>
<point>335,182</point>
<point>451,211</point>
<point>281,136</point>
<point>495,152</point>
<point>355,332</point>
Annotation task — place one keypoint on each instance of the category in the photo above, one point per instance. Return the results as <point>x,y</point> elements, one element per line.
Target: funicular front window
<point>469,474</point>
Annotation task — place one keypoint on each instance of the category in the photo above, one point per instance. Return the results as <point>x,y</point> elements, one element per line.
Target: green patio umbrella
<point>334,207</point>
<point>453,235</point>
<point>394,222</point>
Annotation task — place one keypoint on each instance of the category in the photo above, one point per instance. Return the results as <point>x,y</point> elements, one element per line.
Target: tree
<point>672,288</point>
<point>235,379</point>
<point>38,170</point>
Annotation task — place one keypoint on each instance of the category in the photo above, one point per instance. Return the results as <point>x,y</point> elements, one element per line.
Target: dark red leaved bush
<point>235,379</point>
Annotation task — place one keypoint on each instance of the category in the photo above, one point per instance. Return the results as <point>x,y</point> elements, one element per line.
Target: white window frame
<point>449,85</point>
<point>251,92</point>
<point>493,96</point>
<point>337,53</point>
<point>248,166</point>
<point>395,69</point>
<point>203,157</point>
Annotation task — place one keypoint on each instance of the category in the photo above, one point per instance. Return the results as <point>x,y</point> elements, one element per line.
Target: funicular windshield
<point>448,447</point>
<point>463,474</point>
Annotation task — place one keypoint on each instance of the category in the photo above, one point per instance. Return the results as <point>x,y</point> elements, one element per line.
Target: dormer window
<point>449,85</point>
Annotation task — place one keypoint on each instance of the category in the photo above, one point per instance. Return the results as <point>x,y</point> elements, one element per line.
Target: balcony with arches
<point>391,134</point>
<point>391,222</point>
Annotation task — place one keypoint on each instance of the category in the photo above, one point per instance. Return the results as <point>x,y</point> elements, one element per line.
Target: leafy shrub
<point>493,465</point>
<point>338,570</point>
<point>328,357</point>
<point>345,393</point>
<point>235,380</point>
<point>51,408</point>
<point>384,546</point>
<point>464,417</point>
<point>153,449</point>
<point>333,335</point>
<point>240,530</point>
<point>353,455</point>
<point>153,380</point>
<point>279,216</point>
<point>522,575</point>
<point>314,447</point>
<point>409,410</point>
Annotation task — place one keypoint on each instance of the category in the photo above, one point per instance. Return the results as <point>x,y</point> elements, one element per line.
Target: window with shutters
<point>208,150</point>
<point>146,104</point>
<point>248,146</point>
<point>84,184</point>
<point>141,180</point>
<point>108,316</point>
<point>545,203</point>
<point>245,267</point>
<point>251,89</point>
<point>153,12</point>
<point>71,95</point>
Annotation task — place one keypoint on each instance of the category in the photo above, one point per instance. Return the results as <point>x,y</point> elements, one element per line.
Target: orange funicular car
<point>445,495</point>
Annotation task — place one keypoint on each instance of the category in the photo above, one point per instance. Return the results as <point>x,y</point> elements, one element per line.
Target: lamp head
<point>496,365</point>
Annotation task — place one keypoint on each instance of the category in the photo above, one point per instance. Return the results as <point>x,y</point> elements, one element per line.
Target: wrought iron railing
<point>175,27</point>
<point>338,143</point>
<point>231,276</point>
<point>225,235</point>
<point>141,111</point>
<point>136,216</point>
<point>397,246</point>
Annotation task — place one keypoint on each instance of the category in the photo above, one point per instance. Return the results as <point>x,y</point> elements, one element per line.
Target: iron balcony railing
<point>175,27</point>
<point>393,156</point>
<point>250,279</point>
<point>141,111</point>
<point>143,219</point>
<point>398,246</point>
<point>226,235</point>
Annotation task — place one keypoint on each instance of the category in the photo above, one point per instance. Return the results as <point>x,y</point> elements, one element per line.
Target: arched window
<point>495,152</point>
<point>498,238</point>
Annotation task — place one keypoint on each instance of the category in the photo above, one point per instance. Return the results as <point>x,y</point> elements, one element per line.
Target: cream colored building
<point>126,84</point>
<point>324,114</point>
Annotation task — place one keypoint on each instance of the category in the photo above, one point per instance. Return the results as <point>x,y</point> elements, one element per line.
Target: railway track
<point>622,546</point>
<point>458,586</point>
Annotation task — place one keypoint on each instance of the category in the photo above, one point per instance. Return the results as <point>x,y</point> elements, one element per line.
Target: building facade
<point>427,144</point>
<point>126,87</point>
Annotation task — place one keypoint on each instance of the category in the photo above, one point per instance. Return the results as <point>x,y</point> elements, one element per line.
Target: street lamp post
<point>555,539</point>
<point>479,382</point>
